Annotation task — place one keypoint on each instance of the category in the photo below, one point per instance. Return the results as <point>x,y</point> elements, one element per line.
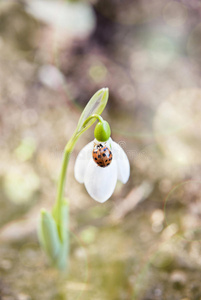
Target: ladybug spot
<point>108,164</point>
<point>95,158</point>
<point>99,156</point>
<point>105,149</point>
<point>106,160</point>
<point>104,154</point>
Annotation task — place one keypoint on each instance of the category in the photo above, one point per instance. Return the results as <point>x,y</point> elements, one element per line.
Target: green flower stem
<point>100,119</point>
<point>57,210</point>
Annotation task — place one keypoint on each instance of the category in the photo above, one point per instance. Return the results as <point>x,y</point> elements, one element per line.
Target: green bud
<point>102,131</point>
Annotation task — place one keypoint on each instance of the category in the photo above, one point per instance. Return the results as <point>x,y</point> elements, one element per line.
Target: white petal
<point>82,161</point>
<point>100,182</point>
<point>123,164</point>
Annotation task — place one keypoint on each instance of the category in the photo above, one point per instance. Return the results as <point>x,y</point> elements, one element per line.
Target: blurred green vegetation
<point>143,243</point>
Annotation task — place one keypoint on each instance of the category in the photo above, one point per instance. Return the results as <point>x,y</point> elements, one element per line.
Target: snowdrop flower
<point>101,163</point>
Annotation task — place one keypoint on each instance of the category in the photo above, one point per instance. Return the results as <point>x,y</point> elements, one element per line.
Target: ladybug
<point>102,155</point>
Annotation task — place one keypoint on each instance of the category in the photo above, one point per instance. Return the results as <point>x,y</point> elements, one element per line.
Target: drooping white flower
<point>99,181</point>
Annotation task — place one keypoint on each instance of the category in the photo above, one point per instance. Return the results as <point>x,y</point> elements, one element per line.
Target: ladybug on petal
<point>102,155</point>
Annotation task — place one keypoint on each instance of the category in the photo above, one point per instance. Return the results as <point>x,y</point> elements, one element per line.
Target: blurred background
<point>143,243</point>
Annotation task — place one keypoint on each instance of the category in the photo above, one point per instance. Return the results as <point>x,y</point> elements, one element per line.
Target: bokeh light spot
<point>26,149</point>
<point>175,14</point>
<point>20,184</point>
<point>98,72</point>
<point>176,126</point>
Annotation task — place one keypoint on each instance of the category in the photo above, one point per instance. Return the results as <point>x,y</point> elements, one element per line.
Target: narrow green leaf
<point>48,235</point>
<point>62,259</point>
<point>95,105</point>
